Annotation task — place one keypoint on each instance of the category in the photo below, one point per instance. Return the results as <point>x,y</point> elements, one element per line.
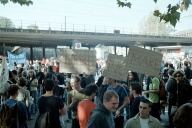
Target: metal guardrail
<point>87,33</point>
<point>79,29</point>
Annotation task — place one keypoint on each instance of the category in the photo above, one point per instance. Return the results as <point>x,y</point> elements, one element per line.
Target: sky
<point>89,15</point>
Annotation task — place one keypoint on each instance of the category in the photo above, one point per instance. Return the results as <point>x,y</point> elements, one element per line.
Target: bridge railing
<point>67,28</point>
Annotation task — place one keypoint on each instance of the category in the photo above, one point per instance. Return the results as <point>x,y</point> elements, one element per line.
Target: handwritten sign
<point>143,61</point>
<point>116,68</point>
<point>78,61</point>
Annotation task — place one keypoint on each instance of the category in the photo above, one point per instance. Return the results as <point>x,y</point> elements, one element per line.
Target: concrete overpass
<point>50,38</point>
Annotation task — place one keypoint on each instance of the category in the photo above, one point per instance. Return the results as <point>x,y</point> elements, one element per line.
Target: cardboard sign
<point>116,68</point>
<point>78,61</point>
<point>143,61</point>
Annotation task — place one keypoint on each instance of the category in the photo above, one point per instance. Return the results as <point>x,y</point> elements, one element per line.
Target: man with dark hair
<point>135,89</point>
<point>12,101</point>
<point>86,106</point>
<point>73,98</point>
<point>187,70</point>
<point>83,80</point>
<point>102,114</point>
<point>143,119</point>
<point>179,92</point>
<point>49,102</point>
<point>165,72</point>
<point>154,97</point>
<point>52,75</point>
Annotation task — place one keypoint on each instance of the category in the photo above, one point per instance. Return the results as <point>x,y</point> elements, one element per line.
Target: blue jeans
<point>34,94</point>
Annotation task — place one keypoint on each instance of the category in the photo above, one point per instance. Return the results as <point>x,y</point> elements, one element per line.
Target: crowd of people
<point>37,91</point>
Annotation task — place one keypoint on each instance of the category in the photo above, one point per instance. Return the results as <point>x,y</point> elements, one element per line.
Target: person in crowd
<point>90,79</point>
<point>22,116</point>
<point>15,66</point>
<point>165,72</point>
<point>170,87</point>
<point>100,81</point>
<point>15,75</point>
<point>102,89</point>
<point>12,77</point>
<point>21,65</point>
<point>123,102</point>
<point>40,77</point>
<point>24,95</point>
<point>20,70</point>
<point>86,106</point>
<point>49,102</point>
<point>76,95</point>
<point>56,67</point>
<point>3,90</point>
<point>170,66</point>
<point>52,75</point>
<point>154,97</point>
<point>132,77</point>
<point>83,80</point>
<point>180,64</point>
<point>187,70</point>
<point>143,119</point>
<point>178,92</point>
<point>32,86</point>
<point>135,90</point>
<point>69,88</point>
<point>183,116</point>
<point>102,114</point>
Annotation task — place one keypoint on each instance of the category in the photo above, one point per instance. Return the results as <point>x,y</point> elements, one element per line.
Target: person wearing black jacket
<point>178,88</point>
<point>102,115</point>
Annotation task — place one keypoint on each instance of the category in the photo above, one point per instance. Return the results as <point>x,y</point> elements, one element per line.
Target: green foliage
<point>151,25</point>
<point>124,4</point>
<point>172,15</point>
<point>6,23</point>
<point>21,2</point>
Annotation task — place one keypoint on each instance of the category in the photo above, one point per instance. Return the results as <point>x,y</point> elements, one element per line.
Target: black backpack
<point>9,117</point>
<point>45,120</point>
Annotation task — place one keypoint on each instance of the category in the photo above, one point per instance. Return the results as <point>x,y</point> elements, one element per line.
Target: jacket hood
<point>102,108</point>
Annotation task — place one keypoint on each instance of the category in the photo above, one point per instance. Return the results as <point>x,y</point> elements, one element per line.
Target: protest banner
<point>78,61</point>
<point>21,58</point>
<point>143,61</point>
<point>116,68</point>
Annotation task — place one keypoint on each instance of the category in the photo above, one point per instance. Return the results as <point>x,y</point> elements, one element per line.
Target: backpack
<point>9,116</point>
<point>45,120</point>
<point>162,92</point>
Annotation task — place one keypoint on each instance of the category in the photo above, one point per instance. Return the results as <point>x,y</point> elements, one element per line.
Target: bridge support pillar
<point>31,55</point>
<point>126,48</point>
<point>43,49</point>
<point>55,52</point>
<point>3,49</point>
